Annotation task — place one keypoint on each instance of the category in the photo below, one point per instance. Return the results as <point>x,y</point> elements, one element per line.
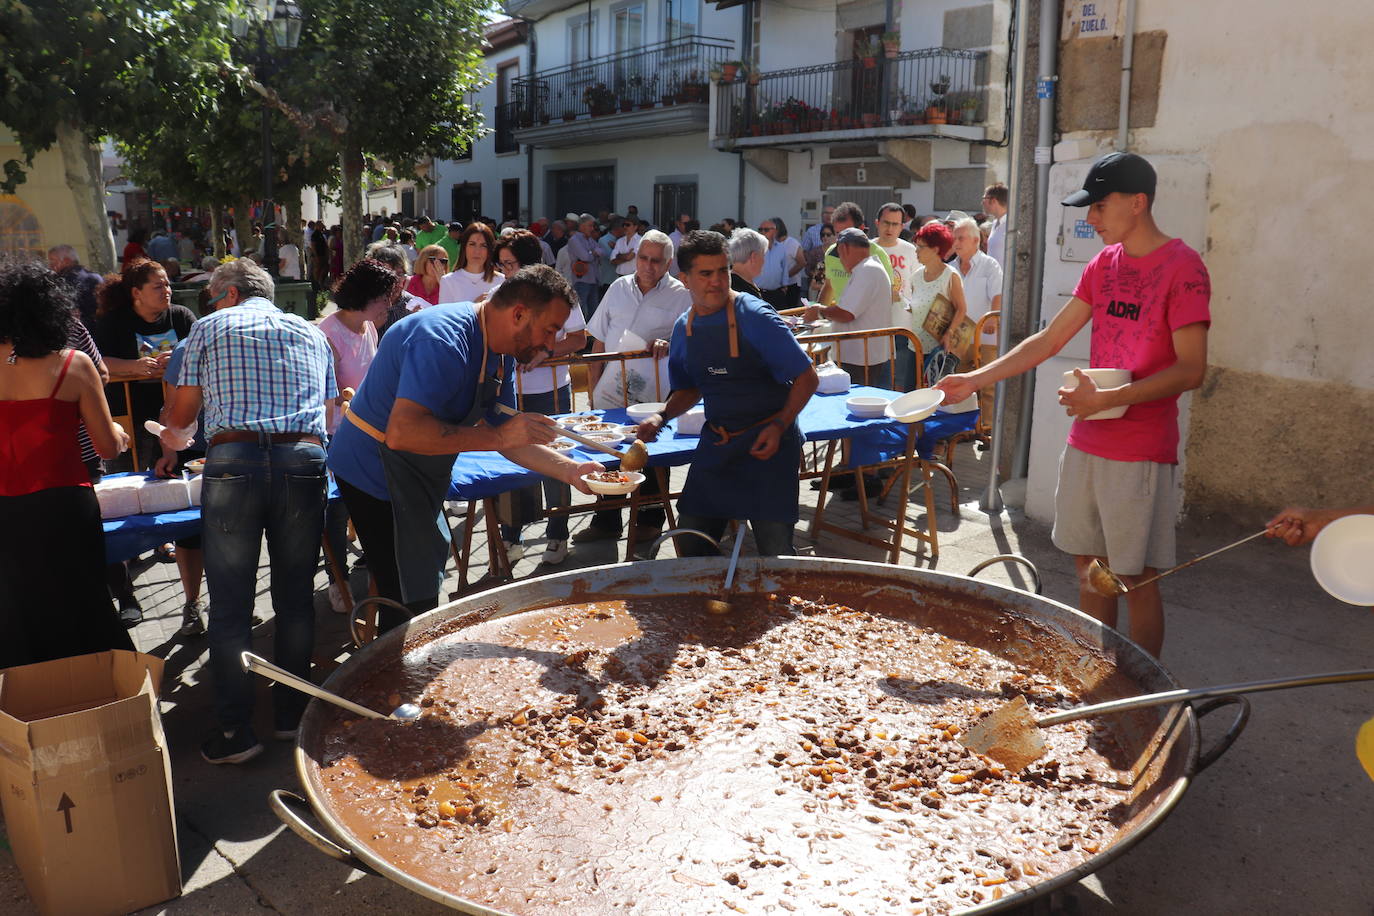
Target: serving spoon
<point>1108,584</point>
<point>406,712</point>
<point>634,458</point>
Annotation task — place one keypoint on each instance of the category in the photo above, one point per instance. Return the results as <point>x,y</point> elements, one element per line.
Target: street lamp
<point>283,19</point>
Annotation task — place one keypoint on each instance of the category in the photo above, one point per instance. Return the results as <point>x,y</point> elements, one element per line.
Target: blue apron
<point>741,395</point>
<point>418,485</point>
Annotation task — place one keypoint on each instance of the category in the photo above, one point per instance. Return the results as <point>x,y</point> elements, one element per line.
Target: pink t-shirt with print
<point>1137,305</point>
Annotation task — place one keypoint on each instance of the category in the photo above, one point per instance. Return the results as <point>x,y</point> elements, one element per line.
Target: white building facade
<point>707,108</point>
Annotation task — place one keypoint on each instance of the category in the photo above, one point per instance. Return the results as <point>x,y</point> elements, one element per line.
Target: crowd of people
<point>436,346</point>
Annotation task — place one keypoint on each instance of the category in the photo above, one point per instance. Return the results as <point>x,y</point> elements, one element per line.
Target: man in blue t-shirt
<point>441,384</point>
<point>732,350</point>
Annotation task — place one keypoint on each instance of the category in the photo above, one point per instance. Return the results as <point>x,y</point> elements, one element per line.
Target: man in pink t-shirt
<point>1146,295</point>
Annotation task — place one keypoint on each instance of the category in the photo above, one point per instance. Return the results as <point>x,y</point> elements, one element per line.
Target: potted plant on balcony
<point>970,107</point>
<point>693,88</point>
<point>935,111</point>
<point>599,99</point>
<point>752,75</point>
<point>566,108</point>
<point>867,52</point>
<point>892,44</point>
<point>670,88</point>
<point>729,70</point>
<point>624,94</point>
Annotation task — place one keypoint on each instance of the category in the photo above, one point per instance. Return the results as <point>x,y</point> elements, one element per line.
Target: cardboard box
<point>86,782</point>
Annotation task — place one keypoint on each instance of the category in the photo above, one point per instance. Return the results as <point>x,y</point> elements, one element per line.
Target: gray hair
<point>967,223</point>
<point>245,276</point>
<point>745,243</point>
<point>390,254</point>
<point>654,237</point>
<point>210,262</point>
<point>64,253</point>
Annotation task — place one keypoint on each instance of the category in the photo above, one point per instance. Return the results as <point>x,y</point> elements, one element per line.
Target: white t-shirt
<point>291,261</point>
<point>997,240</point>
<point>649,316</point>
<point>982,284</point>
<point>902,256</point>
<point>461,286</point>
<point>626,244</point>
<point>868,297</point>
<point>540,380</point>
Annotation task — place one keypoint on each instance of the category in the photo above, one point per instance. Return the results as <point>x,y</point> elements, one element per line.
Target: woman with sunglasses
<point>476,276</point>
<point>430,268</point>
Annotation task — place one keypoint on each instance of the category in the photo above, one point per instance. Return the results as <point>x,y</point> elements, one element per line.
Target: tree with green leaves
<point>386,82</point>
<point>74,71</point>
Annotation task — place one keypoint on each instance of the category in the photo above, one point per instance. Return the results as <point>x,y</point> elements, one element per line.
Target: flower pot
<point>935,115</point>
<point>891,49</point>
<point>870,63</point>
<point>627,105</point>
<point>955,116</point>
<point>869,119</point>
<point>668,100</point>
<point>728,72</point>
<point>569,116</point>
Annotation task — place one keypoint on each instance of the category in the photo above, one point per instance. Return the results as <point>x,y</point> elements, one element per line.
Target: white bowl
<point>867,408</point>
<point>575,420</point>
<point>1341,559</point>
<point>915,406</point>
<point>629,433</point>
<point>195,465</point>
<point>612,488</point>
<point>1102,378</point>
<point>600,426</point>
<point>604,438</point>
<point>690,423</point>
<point>562,445</point>
<point>641,412</point>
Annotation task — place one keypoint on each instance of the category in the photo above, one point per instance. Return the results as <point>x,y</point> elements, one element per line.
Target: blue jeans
<point>556,493</point>
<point>251,489</point>
<point>589,294</point>
<point>773,539</point>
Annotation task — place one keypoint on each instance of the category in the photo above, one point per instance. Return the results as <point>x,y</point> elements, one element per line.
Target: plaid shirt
<point>261,369</point>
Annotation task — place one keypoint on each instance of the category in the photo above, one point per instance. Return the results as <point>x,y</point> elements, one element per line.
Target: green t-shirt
<point>450,245</point>
<point>839,277</point>
<point>432,237</point>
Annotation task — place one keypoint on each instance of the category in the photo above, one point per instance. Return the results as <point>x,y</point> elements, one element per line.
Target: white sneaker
<point>336,598</point>
<point>514,551</point>
<point>555,552</point>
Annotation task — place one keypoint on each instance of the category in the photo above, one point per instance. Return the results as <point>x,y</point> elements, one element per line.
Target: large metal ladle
<point>1108,584</point>
<point>406,712</point>
<point>713,605</point>
<point>633,458</point>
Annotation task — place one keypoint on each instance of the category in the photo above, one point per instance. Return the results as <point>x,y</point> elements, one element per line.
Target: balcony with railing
<point>653,90</point>
<point>930,92</point>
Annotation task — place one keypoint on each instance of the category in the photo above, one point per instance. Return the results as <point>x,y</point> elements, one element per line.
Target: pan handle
<point>1010,558</point>
<point>281,801</point>
<point>1209,757</point>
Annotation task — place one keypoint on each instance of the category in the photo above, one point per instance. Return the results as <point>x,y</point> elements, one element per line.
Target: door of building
<point>673,199</point>
<point>583,190</point>
<point>510,199</point>
<point>467,201</point>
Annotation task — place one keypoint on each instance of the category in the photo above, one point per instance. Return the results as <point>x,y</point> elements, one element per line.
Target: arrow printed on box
<point>65,806</point>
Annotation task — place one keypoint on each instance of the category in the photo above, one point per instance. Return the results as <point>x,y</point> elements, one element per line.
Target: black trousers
<point>376,528</point>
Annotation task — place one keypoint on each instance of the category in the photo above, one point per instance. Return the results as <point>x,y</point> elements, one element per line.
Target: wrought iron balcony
<point>880,96</point>
<point>653,90</point>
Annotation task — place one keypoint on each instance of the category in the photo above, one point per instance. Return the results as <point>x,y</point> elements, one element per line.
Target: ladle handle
<point>1196,693</point>
<point>1168,572</point>
<point>259,665</point>
<point>734,556</point>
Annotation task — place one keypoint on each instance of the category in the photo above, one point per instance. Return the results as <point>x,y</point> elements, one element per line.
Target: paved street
<point>1281,824</point>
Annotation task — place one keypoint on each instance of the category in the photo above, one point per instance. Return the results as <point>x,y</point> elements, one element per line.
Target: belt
<point>362,424</point>
<point>247,435</point>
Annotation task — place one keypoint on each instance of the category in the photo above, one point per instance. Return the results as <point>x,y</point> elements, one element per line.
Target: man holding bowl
<point>1147,296</point>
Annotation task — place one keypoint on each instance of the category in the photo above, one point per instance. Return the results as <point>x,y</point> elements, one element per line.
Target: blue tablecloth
<point>871,441</point>
<point>128,537</point>
<point>478,475</point>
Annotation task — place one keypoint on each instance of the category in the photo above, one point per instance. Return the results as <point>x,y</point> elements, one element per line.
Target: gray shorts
<point>1121,510</point>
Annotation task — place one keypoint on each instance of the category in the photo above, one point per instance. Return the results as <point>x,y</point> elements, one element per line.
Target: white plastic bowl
<point>562,445</point>
<point>575,420</point>
<point>915,406</point>
<point>690,423</point>
<point>629,433</point>
<point>641,412</point>
<point>1102,378</point>
<point>867,408</point>
<point>607,488</point>
<point>1341,559</point>
<point>196,465</point>
<point>596,427</point>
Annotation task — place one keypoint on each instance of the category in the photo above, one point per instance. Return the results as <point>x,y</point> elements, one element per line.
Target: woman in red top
<point>430,267</point>
<point>53,600</point>
<point>134,250</point>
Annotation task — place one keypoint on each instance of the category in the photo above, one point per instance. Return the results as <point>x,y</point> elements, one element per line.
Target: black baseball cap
<point>1125,173</point>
